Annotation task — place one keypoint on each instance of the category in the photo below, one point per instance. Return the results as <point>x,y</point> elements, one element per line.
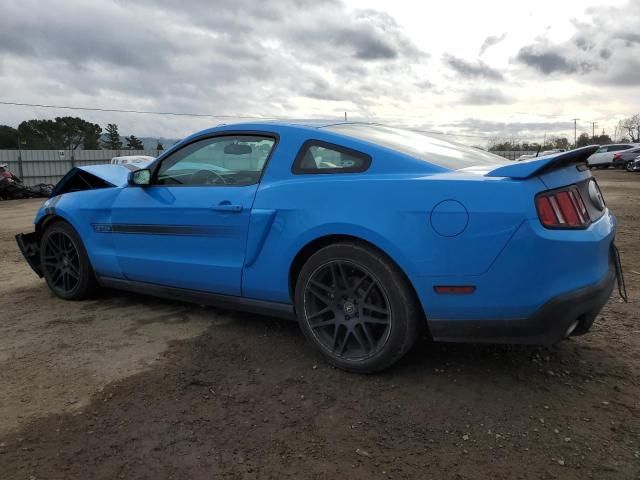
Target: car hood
<point>116,175</point>
<point>535,166</point>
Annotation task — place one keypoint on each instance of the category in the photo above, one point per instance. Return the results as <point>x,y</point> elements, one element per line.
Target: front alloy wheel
<point>61,263</point>
<point>65,264</point>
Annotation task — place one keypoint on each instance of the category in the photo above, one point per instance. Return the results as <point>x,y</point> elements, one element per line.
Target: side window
<point>601,150</point>
<point>617,148</point>
<point>226,160</point>
<point>320,157</point>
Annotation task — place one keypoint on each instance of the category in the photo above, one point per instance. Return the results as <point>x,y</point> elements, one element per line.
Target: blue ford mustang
<point>366,234</point>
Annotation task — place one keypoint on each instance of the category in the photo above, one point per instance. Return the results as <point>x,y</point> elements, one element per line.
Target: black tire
<point>65,263</point>
<point>371,317</point>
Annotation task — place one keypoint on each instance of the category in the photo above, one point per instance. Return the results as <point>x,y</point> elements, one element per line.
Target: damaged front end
<point>29,244</point>
<point>78,179</point>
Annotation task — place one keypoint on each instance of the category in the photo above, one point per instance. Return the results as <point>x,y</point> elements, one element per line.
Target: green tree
<point>583,140</point>
<point>112,138</point>
<point>560,142</point>
<point>8,137</point>
<point>76,132</point>
<point>63,132</point>
<point>159,146</point>
<point>601,139</point>
<point>134,143</point>
<point>92,137</point>
<point>42,134</point>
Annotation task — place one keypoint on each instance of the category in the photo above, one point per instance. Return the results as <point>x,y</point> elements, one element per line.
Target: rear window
<point>421,146</point>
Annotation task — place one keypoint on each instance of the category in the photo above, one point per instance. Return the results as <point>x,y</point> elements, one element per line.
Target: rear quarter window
<point>316,156</point>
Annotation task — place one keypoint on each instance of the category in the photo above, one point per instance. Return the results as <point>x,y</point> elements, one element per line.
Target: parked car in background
<point>633,165</point>
<point>551,152</point>
<point>620,159</point>
<point>603,158</point>
<point>140,161</point>
<point>529,156</point>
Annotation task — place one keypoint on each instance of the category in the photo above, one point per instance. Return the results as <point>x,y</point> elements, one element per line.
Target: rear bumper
<point>28,245</point>
<point>571,313</point>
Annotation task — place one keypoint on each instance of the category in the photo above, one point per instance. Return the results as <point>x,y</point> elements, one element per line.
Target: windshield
<point>420,145</point>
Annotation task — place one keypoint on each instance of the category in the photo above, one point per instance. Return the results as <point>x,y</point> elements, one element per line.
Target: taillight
<point>616,156</point>
<point>562,209</point>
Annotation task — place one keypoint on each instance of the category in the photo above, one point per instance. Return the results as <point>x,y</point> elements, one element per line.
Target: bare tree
<point>632,126</point>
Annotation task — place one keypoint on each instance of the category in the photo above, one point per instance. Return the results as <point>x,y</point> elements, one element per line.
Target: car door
<point>598,156</point>
<point>188,227</point>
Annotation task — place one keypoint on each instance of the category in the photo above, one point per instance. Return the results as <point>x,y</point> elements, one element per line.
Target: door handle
<point>227,207</point>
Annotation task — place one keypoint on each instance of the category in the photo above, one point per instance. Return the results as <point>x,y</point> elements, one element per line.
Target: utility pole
<point>345,116</point>
<point>593,129</point>
<point>575,132</point>
<point>20,168</point>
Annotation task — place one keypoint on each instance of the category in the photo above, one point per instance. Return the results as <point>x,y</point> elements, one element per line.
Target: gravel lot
<point>127,386</point>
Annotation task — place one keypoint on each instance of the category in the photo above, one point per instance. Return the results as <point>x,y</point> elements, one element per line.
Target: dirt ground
<point>127,386</point>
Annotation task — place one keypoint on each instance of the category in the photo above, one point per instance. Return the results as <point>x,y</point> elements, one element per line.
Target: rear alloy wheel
<point>356,307</point>
<point>65,264</point>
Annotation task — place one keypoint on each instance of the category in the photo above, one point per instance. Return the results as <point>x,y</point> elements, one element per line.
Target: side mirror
<point>140,177</point>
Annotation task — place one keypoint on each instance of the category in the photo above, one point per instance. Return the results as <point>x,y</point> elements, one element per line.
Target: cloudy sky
<point>474,69</point>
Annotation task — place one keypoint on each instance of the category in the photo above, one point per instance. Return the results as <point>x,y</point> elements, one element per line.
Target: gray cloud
<point>603,50</point>
<point>238,56</point>
<point>545,61</point>
<point>528,130</point>
<point>629,37</point>
<point>472,70</point>
<point>487,96</point>
<point>490,42</point>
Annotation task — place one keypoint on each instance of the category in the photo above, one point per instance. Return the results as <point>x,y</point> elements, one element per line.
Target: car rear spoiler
<point>536,166</point>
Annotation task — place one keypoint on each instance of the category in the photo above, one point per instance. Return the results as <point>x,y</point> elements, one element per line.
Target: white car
<point>551,152</point>
<point>603,157</point>
<point>138,160</point>
<point>529,156</point>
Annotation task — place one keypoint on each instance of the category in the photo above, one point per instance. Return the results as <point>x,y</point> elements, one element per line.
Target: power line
<point>97,109</point>
<point>209,115</point>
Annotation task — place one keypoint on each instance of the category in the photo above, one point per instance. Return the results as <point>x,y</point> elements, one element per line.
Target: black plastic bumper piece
<point>571,313</point>
<point>28,245</point>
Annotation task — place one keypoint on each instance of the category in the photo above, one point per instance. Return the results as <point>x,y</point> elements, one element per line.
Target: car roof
<point>631,144</point>
<point>429,153</point>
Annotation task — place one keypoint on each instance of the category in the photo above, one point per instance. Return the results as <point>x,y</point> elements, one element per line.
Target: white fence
<point>49,166</point>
